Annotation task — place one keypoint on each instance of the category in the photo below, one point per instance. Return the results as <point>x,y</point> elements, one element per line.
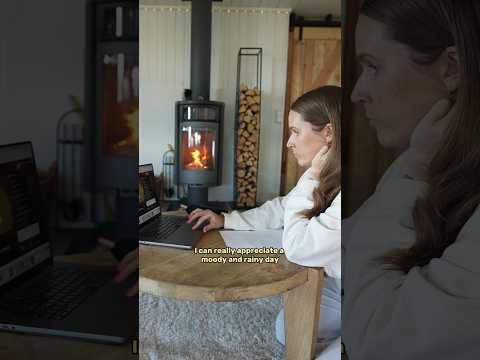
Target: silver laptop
<point>38,296</point>
<point>155,228</point>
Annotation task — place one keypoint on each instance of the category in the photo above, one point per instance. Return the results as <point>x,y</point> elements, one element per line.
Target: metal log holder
<point>249,74</point>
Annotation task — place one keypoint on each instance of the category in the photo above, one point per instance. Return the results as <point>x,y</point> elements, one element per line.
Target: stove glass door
<point>198,146</point>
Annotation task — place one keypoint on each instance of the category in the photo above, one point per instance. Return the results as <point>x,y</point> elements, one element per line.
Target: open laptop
<point>155,228</point>
<point>38,296</point>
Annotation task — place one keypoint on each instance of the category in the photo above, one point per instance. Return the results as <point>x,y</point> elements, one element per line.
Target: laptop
<point>37,295</point>
<point>155,228</point>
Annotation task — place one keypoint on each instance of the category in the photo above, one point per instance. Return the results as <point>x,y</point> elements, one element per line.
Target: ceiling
<point>310,9</point>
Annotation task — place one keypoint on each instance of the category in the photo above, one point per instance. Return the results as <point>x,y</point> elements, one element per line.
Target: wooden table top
<point>181,274</point>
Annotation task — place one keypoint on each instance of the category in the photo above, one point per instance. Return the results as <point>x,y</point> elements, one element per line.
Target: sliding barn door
<point>314,59</point>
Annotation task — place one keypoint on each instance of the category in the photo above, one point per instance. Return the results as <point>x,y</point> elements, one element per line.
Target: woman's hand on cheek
<point>426,139</point>
<point>319,161</point>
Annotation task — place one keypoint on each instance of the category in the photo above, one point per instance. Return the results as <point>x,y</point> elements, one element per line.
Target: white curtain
<point>165,73</point>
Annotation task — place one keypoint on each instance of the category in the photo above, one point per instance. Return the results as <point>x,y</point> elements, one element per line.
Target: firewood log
<point>246,164</point>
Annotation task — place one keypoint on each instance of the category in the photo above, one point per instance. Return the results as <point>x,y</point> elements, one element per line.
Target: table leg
<point>302,311</point>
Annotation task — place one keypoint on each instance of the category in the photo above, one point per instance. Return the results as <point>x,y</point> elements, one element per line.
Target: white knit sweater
<point>432,312</point>
<point>315,242</point>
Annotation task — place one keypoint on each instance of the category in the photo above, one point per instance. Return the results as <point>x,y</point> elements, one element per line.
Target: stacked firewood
<point>247,146</point>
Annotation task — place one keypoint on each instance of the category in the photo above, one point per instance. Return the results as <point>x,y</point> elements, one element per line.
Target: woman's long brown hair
<point>428,27</point>
<point>320,107</point>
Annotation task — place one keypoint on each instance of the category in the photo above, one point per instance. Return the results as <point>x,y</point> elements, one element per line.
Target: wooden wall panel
<point>322,63</point>
<point>314,60</point>
<point>290,170</point>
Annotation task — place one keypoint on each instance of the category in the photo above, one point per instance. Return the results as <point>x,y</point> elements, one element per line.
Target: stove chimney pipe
<point>201,46</point>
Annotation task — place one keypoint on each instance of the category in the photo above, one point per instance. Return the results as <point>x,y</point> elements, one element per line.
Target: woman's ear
<point>328,133</point>
<point>451,73</point>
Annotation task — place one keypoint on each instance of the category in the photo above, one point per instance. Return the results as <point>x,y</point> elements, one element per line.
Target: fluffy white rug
<point>194,330</point>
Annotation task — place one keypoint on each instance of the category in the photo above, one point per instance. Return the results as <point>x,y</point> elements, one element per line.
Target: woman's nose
<point>359,94</point>
<point>290,142</point>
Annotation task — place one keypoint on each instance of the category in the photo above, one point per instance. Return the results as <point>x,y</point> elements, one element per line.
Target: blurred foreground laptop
<point>155,228</point>
<point>38,296</point>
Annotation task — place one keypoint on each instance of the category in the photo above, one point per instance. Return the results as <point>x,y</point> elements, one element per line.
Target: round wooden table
<point>181,274</point>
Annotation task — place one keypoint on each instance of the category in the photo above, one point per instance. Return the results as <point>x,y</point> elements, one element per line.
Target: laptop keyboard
<point>163,227</point>
<point>55,293</point>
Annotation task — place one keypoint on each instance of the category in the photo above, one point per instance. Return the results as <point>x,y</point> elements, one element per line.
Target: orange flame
<point>198,159</point>
<point>129,125</point>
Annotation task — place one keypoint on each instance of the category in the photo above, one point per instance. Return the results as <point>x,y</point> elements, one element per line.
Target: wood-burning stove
<point>198,140</point>
<point>199,122</point>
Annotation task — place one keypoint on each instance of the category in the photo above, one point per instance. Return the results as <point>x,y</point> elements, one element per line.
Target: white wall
<point>165,72</point>
<point>41,61</point>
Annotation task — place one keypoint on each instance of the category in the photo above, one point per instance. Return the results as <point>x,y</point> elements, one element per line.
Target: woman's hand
<point>200,216</point>
<point>319,161</point>
<point>128,265</point>
<point>426,139</point>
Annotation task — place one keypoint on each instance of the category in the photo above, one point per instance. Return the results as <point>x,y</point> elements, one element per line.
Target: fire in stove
<point>199,160</point>
<point>198,149</point>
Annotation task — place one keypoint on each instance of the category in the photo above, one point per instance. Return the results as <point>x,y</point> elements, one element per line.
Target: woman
<point>411,251</point>
<point>311,213</point>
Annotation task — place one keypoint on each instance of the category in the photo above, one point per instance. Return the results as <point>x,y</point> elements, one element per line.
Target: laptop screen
<point>21,245</point>
<point>148,203</point>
